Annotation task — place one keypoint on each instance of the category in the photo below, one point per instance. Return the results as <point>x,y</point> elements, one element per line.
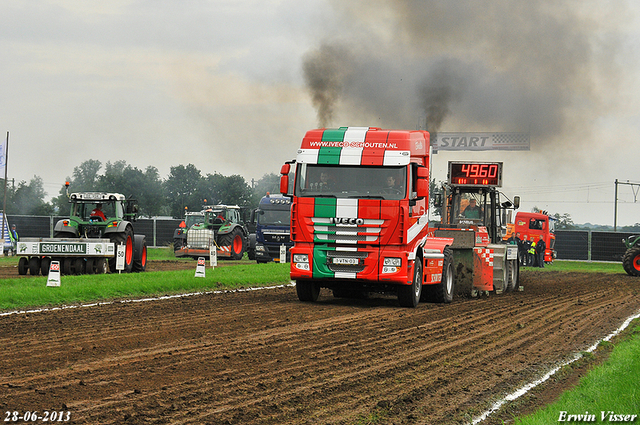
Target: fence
<point>590,245</point>
<point>159,231</point>
<point>570,244</point>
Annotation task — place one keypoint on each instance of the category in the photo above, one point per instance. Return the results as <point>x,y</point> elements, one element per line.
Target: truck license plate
<point>348,261</point>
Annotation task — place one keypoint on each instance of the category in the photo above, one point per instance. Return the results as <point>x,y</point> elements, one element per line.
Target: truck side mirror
<point>516,202</point>
<point>422,182</point>
<point>284,178</point>
<point>284,184</point>
<point>422,188</point>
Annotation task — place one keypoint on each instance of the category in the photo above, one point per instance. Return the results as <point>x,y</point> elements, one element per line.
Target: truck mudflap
<point>433,266</point>
<point>433,257</point>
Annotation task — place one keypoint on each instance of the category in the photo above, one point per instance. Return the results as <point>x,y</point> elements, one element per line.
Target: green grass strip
<point>21,293</point>
<point>580,266</point>
<point>610,389</point>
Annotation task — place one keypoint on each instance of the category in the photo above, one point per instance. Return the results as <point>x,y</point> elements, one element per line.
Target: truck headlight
<point>392,261</point>
<point>260,248</point>
<point>301,262</point>
<point>391,265</point>
<point>300,258</point>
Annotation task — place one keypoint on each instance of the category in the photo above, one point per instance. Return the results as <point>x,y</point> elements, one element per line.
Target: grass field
<point>23,293</point>
<point>609,393</point>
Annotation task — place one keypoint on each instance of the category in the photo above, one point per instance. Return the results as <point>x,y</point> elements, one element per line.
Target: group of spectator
<point>531,252</point>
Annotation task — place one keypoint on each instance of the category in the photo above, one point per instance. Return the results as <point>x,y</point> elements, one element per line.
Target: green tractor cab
<point>102,215</point>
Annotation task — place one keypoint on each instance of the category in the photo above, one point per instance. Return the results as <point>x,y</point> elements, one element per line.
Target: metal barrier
<point>590,245</point>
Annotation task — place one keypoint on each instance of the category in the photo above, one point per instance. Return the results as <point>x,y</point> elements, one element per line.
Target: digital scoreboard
<point>475,173</point>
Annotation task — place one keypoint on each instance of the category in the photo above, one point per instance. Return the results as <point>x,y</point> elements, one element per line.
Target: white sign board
<point>200,268</point>
<point>53,278</point>
<point>213,256</point>
<point>283,253</point>
<point>480,141</point>
<point>120,252</point>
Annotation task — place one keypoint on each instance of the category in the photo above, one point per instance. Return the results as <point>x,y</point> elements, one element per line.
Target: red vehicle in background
<point>531,226</point>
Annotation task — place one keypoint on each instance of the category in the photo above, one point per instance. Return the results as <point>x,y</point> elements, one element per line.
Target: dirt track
<point>262,357</point>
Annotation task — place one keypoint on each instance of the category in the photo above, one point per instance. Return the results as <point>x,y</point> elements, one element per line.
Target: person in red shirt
<point>97,212</point>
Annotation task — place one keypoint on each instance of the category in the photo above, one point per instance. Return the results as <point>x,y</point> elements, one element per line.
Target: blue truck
<point>272,219</point>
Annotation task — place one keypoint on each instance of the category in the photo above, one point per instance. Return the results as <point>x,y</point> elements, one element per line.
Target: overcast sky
<point>227,86</point>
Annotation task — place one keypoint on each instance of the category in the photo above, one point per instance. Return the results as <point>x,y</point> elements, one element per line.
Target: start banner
<point>480,141</point>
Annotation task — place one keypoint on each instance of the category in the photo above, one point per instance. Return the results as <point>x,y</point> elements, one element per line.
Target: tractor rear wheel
<point>140,256</point>
<point>631,261</point>
<point>235,240</point>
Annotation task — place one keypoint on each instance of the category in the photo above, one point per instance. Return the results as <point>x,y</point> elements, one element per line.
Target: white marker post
<point>283,253</point>
<point>200,268</point>
<point>213,256</point>
<point>53,278</point>
<point>120,257</point>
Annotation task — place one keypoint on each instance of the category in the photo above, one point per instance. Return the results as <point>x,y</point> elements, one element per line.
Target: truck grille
<point>276,237</point>
<point>368,231</point>
<point>348,268</point>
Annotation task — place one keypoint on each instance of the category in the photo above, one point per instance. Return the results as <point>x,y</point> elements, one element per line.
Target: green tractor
<point>100,215</point>
<point>631,258</point>
<point>221,228</point>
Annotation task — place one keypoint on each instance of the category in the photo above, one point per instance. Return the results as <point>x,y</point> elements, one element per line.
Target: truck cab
<point>359,218</point>
<point>533,226</point>
<point>272,219</point>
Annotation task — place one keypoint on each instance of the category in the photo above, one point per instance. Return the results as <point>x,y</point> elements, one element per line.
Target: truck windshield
<point>348,181</point>
<point>274,217</point>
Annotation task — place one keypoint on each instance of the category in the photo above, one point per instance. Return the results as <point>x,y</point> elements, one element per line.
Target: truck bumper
<point>270,253</point>
<point>332,265</point>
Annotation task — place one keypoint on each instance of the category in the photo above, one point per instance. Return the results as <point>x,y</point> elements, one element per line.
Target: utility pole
<point>615,205</point>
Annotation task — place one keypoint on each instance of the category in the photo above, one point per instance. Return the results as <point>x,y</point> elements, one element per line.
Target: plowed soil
<point>263,357</point>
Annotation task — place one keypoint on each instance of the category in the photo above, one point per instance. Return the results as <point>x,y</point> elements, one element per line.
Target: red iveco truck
<point>359,217</point>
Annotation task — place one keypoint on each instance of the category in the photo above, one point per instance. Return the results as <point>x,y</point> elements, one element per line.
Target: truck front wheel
<point>409,295</point>
<point>307,290</point>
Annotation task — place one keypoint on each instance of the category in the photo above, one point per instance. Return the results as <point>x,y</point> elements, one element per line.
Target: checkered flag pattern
<point>486,255</point>
<point>510,141</point>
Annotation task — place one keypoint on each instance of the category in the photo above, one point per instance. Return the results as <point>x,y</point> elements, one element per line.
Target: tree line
<point>185,188</point>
